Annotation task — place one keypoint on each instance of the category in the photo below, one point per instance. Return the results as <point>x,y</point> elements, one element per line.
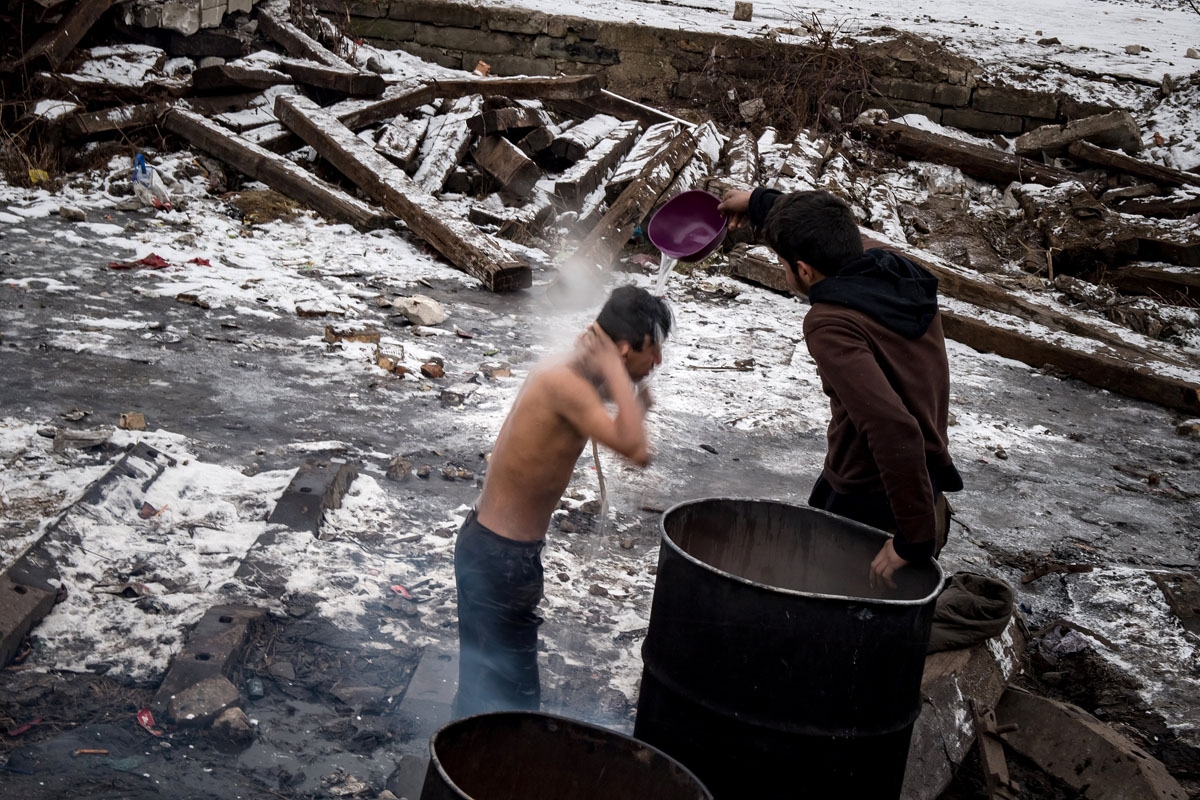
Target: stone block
<point>514,65</point>
<point>467,39</point>
<point>206,5</point>
<point>902,89</point>
<point>1018,102</point>
<point>896,108</point>
<point>951,94</point>
<point>211,17</point>
<point>509,20</point>
<point>341,9</point>
<point>968,119</point>
<point>437,13</point>
<point>391,30</point>
<point>743,12</point>
<point>21,607</point>
<point>581,52</point>
<point>698,88</point>
<point>240,6</point>
<point>1116,129</point>
<point>564,27</point>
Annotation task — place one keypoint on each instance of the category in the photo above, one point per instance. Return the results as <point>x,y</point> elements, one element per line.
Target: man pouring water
<point>875,333</point>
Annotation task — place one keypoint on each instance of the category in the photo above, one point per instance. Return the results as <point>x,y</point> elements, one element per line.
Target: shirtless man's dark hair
<point>497,558</point>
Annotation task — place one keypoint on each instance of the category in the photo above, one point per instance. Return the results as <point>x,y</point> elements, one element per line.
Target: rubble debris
<point>317,486</point>
<point>1114,130</point>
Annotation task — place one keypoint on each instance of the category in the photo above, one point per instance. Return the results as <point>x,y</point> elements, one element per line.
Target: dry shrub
<point>261,206</point>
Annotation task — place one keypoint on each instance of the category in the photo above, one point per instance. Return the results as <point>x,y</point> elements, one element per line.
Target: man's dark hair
<point>631,314</point>
<point>817,228</point>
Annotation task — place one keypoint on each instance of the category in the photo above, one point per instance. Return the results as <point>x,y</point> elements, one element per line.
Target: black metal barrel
<point>522,755</point>
<point>771,667</point>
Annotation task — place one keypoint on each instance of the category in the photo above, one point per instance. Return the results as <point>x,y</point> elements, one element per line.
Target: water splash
<point>666,266</point>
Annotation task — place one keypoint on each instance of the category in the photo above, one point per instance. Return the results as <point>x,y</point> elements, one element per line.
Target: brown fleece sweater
<point>889,398</point>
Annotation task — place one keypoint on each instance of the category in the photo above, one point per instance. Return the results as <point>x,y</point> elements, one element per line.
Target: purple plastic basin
<point>688,227</point>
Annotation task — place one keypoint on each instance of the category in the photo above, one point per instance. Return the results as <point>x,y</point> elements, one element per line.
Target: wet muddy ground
<point>1052,472</point>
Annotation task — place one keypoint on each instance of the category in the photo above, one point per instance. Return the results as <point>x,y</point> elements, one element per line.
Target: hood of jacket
<point>885,286</point>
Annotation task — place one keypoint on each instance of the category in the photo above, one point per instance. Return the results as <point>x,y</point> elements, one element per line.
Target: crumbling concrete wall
<point>664,66</point>
<point>185,16</point>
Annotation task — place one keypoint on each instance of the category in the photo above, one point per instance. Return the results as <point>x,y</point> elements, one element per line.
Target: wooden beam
<point>274,170</point>
<point>1086,151</point>
<point>606,102</point>
<point>513,120</point>
<point>53,48</point>
<point>446,142</point>
<point>600,246</point>
<point>1173,286</point>
<point>458,240</point>
<point>650,145</point>
<point>339,79</point>
<point>228,77</point>
<point>1132,374</point>
<point>122,118</point>
<point>975,160</point>
<point>741,162</point>
<point>273,20</point>
<point>511,168</point>
<point>586,175</point>
<point>522,224</point>
<point>575,142</point>
<point>1165,208</point>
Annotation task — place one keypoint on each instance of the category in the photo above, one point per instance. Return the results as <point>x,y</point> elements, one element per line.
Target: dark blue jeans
<point>499,583</point>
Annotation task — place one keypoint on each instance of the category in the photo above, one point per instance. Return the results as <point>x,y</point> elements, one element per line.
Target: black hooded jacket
<point>875,334</point>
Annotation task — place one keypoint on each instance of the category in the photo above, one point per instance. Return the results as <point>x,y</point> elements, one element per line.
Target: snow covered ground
<point>241,388</point>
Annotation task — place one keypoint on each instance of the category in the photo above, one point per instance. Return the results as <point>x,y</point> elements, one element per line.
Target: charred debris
<point>1062,248</point>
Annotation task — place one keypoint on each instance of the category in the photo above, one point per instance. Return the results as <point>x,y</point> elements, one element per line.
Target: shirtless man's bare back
<point>498,555</point>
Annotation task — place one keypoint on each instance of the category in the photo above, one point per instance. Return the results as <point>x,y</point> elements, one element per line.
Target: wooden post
<point>274,170</point>
<point>458,240</point>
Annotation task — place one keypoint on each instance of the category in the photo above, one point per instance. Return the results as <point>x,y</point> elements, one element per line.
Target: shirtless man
<point>497,559</point>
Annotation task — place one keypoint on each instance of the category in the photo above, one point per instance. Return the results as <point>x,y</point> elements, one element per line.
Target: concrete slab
<point>21,607</point>
<point>213,649</point>
<point>427,706</point>
<point>318,485</point>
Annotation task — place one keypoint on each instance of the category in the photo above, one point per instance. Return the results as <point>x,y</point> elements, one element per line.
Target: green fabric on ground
<point>970,609</point>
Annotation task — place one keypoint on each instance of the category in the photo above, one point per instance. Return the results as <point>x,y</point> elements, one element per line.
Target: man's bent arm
<point>580,404</point>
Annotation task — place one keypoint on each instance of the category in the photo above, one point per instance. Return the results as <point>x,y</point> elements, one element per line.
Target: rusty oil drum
<point>524,755</point>
<point>771,668</point>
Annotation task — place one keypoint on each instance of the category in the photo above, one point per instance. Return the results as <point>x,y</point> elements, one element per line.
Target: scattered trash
<point>37,176</point>
<point>151,261</point>
<point>198,260</point>
<point>20,729</point>
<point>145,718</point>
<point>709,448</point>
<point>400,590</point>
<point>254,688</point>
<point>133,421</point>
<point>74,415</point>
<point>90,751</point>
<point>148,186</point>
<point>147,511</point>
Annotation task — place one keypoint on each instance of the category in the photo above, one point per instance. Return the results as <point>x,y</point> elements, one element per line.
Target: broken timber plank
<point>446,142</point>
<point>274,170</point>
<point>801,168</point>
<point>975,160</point>
<point>696,172</point>
<point>652,142</point>
<point>516,120</point>
<point>1177,209</point>
<point>458,240</point>
<point>339,79</point>
<point>1115,374</point>
<point>274,22</point>
<point>226,77</point>
<point>400,141</point>
<point>402,99</point>
<point>520,224</point>
<point>604,241</point>
<point>501,159</point>
<point>123,118</point>
<point>1174,286</point>
<point>576,141</point>
<point>1086,151</point>
<point>758,264</point>
<point>54,47</point>
<point>586,175</point>
<point>536,141</point>
<point>741,157</point>
<point>603,101</point>
<point>960,286</point>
